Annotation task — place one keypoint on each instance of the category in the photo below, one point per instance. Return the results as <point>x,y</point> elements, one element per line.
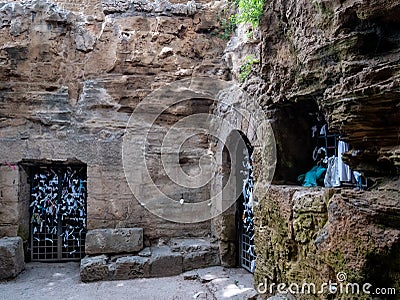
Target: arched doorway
<point>245,213</point>
<point>237,237</point>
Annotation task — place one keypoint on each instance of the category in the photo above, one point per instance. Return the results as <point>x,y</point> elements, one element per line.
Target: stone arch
<point>225,226</point>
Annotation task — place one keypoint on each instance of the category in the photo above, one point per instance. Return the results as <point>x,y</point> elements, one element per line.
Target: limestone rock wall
<point>340,59</point>
<point>310,235</point>
<point>70,76</point>
<point>343,56</point>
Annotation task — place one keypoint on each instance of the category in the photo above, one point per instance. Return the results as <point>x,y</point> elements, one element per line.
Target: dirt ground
<point>61,281</point>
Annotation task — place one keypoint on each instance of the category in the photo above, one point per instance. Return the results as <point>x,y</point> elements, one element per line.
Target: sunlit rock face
<point>71,74</point>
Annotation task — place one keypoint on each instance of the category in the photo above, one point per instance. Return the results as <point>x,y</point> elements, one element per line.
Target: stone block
<point>197,253</point>
<point>200,259</point>
<point>314,201</point>
<point>130,267</point>
<point>9,182</point>
<point>192,245</point>
<point>225,283</point>
<point>11,257</point>
<point>164,262</point>
<point>94,268</point>
<point>146,252</point>
<point>120,240</point>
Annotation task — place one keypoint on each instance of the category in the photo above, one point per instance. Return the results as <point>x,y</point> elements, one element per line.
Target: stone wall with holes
<point>70,76</point>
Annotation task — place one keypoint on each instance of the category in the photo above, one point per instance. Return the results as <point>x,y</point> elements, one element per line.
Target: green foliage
<point>247,66</point>
<point>250,11</point>
<point>227,21</point>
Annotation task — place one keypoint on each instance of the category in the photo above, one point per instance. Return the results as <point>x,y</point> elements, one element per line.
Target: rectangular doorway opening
<point>58,194</point>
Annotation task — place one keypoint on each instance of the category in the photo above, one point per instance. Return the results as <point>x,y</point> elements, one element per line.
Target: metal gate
<point>58,212</point>
<point>247,255</point>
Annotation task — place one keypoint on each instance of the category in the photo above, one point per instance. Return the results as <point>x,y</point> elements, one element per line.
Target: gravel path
<point>61,281</point>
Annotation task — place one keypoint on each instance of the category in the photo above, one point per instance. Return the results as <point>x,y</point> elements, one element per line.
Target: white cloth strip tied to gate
<point>58,202</point>
<point>248,201</point>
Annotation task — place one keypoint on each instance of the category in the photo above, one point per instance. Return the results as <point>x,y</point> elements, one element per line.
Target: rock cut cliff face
<point>327,61</point>
<point>339,60</point>
<point>343,57</point>
<point>71,74</point>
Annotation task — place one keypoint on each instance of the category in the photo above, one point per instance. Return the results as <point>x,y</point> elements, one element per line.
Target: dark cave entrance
<point>308,153</point>
<point>293,124</point>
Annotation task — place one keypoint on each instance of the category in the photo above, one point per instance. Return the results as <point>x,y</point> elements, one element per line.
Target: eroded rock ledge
<point>342,57</point>
<point>313,234</point>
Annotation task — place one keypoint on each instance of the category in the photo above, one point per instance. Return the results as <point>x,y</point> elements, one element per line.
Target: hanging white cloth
<point>323,130</point>
<point>332,175</point>
<point>314,130</point>
<point>343,169</point>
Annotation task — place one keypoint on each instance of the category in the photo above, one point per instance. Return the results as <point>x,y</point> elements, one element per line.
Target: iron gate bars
<point>58,212</point>
<point>247,255</point>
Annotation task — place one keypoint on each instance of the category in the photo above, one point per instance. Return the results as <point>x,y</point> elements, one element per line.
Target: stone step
<point>197,253</point>
<point>114,241</point>
<point>11,257</point>
<point>158,261</point>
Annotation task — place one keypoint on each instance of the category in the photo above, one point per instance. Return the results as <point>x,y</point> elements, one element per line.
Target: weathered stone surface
<point>286,220</point>
<point>342,61</point>
<point>129,267</point>
<point>94,268</point>
<point>69,82</point>
<point>158,261</point>
<point>9,206</point>
<point>210,274</point>
<point>309,212</point>
<point>188,8</point>
<point>185,245</point>
<point>223,285</point>
<point>334,62</point>
<point>225,229</point>
<point>12,260</point>
<point>282,297</point>
<point>120,240</point>
<point>190,275</point>
<point>314,234</point>
<point>197,253</point>
<point>164,262</point>
<point>200,259</point>
<point>367,226</point>
<point>70,76</point>
<point>146,252</point>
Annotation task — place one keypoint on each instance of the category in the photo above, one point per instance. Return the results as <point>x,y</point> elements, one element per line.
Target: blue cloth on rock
<point>312,176</point>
